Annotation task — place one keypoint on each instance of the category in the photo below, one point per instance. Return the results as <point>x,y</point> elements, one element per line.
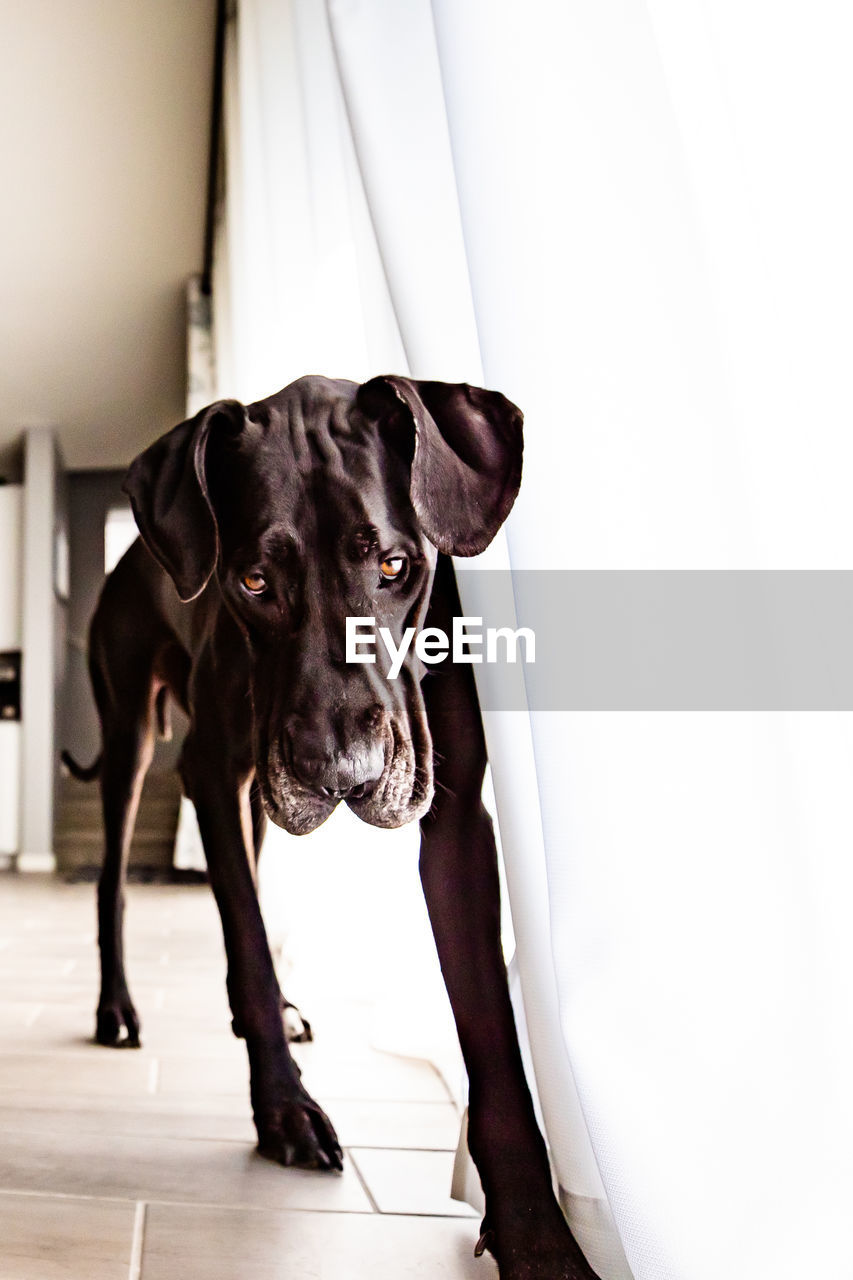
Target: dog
<point>263,527</point>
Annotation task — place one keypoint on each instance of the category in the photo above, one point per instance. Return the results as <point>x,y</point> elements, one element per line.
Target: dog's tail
<point>78,771</point>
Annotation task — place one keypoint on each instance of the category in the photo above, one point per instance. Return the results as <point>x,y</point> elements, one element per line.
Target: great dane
<point>263,528</point>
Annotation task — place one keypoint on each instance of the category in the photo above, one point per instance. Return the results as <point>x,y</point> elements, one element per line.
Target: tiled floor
<point>140,1165</point>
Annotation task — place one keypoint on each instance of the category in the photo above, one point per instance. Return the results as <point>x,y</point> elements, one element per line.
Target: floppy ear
<point>167,488</point>
<point>466,465</point>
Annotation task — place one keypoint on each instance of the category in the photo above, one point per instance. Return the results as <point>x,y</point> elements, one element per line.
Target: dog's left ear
<point>466,464</point>
<point>167,487</point>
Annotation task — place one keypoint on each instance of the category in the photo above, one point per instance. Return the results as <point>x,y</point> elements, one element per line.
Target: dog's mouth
<point>403,792</point>
<point>405,789</point>
<point>292,806</point>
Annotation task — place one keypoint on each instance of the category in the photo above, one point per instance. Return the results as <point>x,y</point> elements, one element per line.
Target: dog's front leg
<point>291,1127</point>
<point>524,1227</point>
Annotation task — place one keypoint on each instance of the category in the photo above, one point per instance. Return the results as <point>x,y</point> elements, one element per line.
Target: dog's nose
<point>317,763</point>
<point>350,777</point>
<point>354,793</point>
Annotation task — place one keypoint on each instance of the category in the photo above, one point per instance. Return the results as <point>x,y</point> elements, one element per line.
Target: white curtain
<point>656,223</point>
<point>298,284</point>
<point>668,217</point>
<point>634,220</point>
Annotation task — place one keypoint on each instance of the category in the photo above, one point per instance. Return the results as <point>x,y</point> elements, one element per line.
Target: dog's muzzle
<point>386,784</point>
<point>354,774</point>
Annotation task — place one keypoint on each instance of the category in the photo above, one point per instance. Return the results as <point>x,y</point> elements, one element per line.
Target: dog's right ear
<point>167,487</point>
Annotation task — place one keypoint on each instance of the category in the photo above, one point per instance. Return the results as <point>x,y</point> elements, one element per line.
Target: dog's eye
<point>255,583</point>
<point>392,567</point>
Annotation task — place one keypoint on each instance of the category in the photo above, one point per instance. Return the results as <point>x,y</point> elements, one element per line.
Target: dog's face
<point>325,502</point>
<point>316,525</point>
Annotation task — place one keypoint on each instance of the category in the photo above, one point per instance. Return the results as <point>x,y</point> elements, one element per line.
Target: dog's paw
<point>300,1133</point>
<point>297,1028</point>
<point>117,1024</point>
<point>549,1252</point>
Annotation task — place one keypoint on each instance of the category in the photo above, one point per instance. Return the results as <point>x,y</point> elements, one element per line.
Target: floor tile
<point>87,1133</point>
<point>75,1071</point>
<point>47,1238</point>
<point>410,1181</point>
<point>80,994</point>
<point>17,1015</point>
<point>22,968</point>
<point>369,1074</point>
<point>326,1073</point>
<point>232,1245</point>
<point>191,1035</point>
<point>147,1117</point>
<point>223,1074</point>
<point>430,1126</point>
<point>134,1167</point>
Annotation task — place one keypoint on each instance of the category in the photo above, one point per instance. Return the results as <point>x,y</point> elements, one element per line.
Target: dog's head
<point>325,501</point>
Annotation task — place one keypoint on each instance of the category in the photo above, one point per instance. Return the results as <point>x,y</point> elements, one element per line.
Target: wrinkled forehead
<point>311,471</point>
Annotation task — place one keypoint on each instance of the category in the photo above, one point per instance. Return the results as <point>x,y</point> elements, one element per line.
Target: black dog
<point>278,521</point>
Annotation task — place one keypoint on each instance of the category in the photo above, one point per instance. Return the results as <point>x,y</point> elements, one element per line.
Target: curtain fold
<point>298,283</point>
<point>633,220</point>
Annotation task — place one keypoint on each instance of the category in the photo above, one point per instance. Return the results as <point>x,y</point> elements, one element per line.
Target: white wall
<point>104,134</point>
<point>43,643</point>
